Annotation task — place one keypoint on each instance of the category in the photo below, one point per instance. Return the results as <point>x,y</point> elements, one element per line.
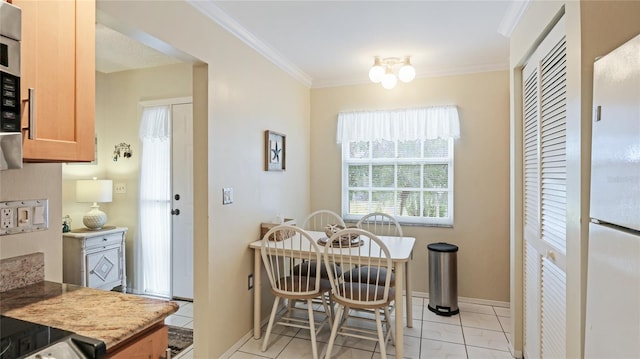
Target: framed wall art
<point>275,151</point>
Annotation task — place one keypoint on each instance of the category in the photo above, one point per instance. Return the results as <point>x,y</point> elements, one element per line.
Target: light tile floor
<point>182,318</point>
<point>478,332</point>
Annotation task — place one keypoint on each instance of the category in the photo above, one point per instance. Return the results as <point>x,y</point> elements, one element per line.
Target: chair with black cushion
<point>371,292</point>
<point>381,224</point>
<point>318,221</point>
<point>281,246</point>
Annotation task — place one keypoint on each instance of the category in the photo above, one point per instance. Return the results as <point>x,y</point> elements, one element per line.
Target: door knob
<point>177,197</point>
<point>175,212</point>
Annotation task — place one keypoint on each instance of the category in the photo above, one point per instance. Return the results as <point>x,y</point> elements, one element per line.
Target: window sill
<point>408,224</point>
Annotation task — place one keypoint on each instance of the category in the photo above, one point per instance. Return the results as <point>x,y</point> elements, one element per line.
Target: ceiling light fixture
<point>382,71</point>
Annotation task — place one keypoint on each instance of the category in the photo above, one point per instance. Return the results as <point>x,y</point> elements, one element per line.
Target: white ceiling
<point>331,43</point>
<point>117,52</point>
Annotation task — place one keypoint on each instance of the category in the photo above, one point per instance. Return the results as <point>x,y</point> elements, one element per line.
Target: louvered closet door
<point>544,175</point>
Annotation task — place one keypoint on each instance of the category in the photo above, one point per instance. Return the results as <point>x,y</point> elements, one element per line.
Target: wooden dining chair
<point>281,246</point>
<point>371,292</point>
<point>318,221</point>
<point>381,224</point>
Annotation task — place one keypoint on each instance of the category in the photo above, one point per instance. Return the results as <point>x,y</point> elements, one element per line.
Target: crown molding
<point>512,17</point>
<point>452,71</point>
<point>216,14</point>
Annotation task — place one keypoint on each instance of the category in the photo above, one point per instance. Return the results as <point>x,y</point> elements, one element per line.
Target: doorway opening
<point>164,249</point>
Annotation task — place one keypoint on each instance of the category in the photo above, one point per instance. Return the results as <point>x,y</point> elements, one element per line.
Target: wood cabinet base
<point>150,344</point>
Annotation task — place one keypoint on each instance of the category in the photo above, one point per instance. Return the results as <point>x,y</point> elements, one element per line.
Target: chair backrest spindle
<point>318,220</point>
<point>279,256</point>
<point>381,224</point>
<point>370,287</point>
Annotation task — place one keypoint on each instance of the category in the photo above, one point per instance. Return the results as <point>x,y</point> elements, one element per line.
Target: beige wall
<point>36,181</point>
<point>481,170</point>
<point>118,120</point>
<point>245,95</point>
<point>593,28</point>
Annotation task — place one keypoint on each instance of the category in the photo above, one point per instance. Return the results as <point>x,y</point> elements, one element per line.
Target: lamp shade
<point>98,191</point>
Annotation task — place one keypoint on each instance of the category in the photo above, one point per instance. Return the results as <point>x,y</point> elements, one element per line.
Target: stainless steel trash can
<point>443,279</point>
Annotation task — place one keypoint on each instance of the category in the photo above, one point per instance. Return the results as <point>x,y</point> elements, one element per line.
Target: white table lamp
<point>94,191</point>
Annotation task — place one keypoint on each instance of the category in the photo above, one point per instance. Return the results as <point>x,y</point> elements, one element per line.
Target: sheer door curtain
<point>153,245</point>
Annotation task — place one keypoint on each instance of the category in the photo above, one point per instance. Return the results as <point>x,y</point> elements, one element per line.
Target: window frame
<point>407,220</point>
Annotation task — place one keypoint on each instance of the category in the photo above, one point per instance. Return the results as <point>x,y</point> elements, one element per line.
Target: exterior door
<point>182,201</point>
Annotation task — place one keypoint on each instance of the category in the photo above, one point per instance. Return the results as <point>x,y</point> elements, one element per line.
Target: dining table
<point>400,250</point>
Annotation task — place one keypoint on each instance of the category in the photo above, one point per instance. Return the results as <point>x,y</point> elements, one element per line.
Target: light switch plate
<point>120,187</point>
<point>39,215</point>
<point>227,195</point>
<point>24,216</point>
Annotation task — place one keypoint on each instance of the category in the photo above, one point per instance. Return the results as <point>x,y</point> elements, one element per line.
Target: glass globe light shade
<point>389,80</point>
<point>407,73</point>
<point>377,72</point>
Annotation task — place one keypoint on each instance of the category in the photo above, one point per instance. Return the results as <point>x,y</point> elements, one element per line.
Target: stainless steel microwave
<point>10,104</point>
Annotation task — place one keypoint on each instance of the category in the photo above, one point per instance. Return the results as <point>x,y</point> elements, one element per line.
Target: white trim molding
<point>209,9</point>
<point>494,303</point>
<point>166,101</point>
<point>433,72</point>
<point>512,17</point>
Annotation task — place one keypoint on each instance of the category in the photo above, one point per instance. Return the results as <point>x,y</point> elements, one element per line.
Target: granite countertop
<point>108,316</point>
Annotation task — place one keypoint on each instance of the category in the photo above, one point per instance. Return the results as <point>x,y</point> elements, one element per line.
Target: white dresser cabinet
<point>95,259</point>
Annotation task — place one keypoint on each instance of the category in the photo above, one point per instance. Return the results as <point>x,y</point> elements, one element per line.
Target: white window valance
<point>154,125</point>
<point>403,124</point>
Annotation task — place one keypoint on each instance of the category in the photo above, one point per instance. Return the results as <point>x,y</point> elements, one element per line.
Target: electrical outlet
<point>250,282</point>
<point>6,218</point>
<point>23,216</point>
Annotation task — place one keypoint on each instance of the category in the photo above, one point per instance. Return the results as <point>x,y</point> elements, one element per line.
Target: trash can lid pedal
<point>442,247</point>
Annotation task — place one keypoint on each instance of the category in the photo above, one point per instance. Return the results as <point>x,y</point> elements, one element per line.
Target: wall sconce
<point>122,149</point>
<point>382,71</point>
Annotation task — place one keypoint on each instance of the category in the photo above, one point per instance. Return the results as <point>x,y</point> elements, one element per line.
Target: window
<point>405,168</point>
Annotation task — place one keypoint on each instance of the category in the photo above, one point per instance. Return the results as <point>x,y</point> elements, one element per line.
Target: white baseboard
<point>494,303</point>
<point>237,345</point>
<point>241,341</point>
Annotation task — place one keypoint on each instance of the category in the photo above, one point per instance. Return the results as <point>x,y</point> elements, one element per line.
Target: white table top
<point>400,248</point>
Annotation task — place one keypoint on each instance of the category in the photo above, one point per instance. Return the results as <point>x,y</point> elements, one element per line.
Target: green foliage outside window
<point>402,178</point>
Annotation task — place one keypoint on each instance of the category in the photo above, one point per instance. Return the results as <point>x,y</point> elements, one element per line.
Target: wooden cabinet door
<point>58,65</point>
<point>150,346</point>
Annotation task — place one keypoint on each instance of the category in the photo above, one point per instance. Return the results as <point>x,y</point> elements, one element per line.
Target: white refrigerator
<point>613,272</point>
